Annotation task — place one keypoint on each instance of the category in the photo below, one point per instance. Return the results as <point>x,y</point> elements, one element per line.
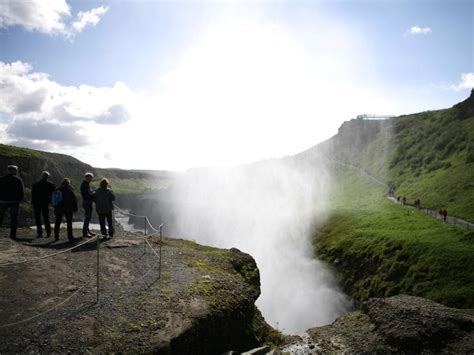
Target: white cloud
<point>51,17</point>
<point>466,83</point>
<point>42,110</point>
<point>35,15</point>
<point>88,18</point>
<point>245,90</point>
<point>417,30</point>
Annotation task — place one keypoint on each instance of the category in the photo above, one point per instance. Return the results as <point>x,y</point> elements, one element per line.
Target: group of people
<point>442,213</point>
<point>62,198</point>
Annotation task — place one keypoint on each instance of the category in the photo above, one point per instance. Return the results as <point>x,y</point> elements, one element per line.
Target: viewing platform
<point>367,116</point>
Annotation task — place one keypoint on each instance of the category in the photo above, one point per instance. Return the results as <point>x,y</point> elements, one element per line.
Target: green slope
<point>128,184</point>
<point>32,162</point>
<point>428,155</point>
<point>382,249</point>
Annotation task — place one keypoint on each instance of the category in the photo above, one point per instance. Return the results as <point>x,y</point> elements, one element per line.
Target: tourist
<point>87,194</point>
<point>404,200</point>
<point>104,198</point>
<point>12,193</point>
<point>445,215</point>
<point>65,204</point>
<point>41,193</point>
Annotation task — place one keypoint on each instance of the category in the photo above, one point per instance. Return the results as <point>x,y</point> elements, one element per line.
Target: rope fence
<point>147,226</point>
<point>49,255</point>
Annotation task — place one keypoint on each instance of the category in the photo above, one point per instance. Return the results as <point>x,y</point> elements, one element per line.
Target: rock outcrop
<point>399,324</point>
<point>200,301</point>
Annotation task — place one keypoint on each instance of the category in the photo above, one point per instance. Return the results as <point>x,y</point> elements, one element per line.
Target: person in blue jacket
<point>65,204</point>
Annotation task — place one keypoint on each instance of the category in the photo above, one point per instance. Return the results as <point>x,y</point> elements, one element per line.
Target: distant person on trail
<point>445,215</point>
<point>404,200</point>
<point>87,194</point>
<point>65,204</point>
<point>104,205</point>
<point>440,213</point>
<point>398,199</point>
<point>41,193</point>
<point>417,203</point>
<point>12,193</point>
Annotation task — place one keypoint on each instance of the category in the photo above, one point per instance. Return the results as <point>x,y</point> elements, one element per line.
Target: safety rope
<point>49,255</point>
<point>49,310</point>
<point>122,211</point>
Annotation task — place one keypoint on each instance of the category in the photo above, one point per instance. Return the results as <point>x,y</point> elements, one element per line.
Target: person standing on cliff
<point>104,206</point>
<point>41,193</point>
<point>87,193</point>
<point>65,204</point>
<point>12,193</point>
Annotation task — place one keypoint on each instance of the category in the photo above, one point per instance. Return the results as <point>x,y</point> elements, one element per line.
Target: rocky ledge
<point>398,324</point>
<point>202,301</point>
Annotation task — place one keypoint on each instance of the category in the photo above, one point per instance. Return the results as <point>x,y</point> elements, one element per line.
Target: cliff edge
<point>202,301</point>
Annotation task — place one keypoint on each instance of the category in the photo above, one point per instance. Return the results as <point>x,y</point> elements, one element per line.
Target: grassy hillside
<point>126,183</point>
<point>428,155</point>
<point>32,162</point>
<point>383,249</point>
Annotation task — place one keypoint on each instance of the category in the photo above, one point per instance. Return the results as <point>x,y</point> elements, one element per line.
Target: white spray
<point>268,210</point>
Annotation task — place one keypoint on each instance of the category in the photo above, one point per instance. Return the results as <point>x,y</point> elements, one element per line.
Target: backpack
<point>57,198</point>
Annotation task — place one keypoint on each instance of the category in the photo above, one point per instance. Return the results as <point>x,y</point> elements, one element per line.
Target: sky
<point>175,85</point>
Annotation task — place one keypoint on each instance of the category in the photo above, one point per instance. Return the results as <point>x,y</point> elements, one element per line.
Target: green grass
<point>427,155</point>
<point>385,249</point>
<point>8,150</point>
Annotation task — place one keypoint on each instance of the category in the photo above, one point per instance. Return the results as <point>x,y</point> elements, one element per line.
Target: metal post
<point>97,270</point>
<point>144,238</point>
<point>161,237</point>
<point>113,222</point>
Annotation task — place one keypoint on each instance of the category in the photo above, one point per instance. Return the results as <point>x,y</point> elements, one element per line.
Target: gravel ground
<point>200,297</point>
<point>129,274</point>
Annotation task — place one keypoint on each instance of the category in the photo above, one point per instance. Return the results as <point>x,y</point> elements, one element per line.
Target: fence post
<point>144,237</point>
<point>97,270</point>
<point>161,237</point>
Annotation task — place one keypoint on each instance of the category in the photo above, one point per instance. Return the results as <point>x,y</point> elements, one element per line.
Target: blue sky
<point>223,82</point>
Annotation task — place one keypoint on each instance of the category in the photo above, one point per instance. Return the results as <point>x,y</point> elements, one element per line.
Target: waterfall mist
<point>269,210</point>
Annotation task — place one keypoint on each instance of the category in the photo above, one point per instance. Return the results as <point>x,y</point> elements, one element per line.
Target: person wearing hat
<point>87,193</point>
<point>41,193</point>
<point>12,193</point>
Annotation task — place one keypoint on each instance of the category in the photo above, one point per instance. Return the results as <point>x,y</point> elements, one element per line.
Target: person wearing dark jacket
<point>41,193</point>
<point>104,205</point>
<point>11,194</point>
<point>87,194</point>
<point>66,207</point>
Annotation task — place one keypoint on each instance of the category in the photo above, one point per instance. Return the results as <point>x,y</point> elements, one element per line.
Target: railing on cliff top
<point>96,239</point>
<point>372,116</point>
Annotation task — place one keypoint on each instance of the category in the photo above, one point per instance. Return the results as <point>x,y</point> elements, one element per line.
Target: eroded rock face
<point>410,323</point>
<point>401,324</point>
